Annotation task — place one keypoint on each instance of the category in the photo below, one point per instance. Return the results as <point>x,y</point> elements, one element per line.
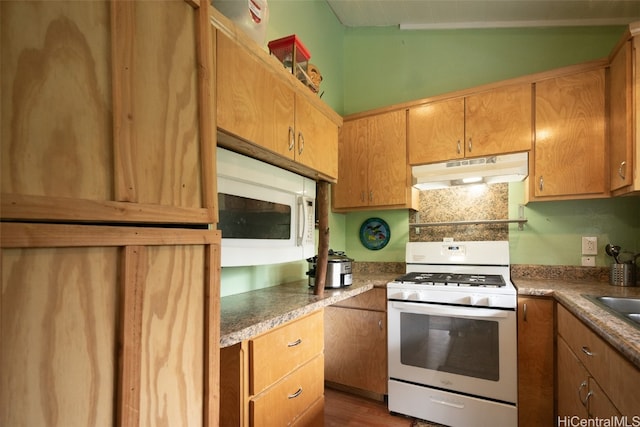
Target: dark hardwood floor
<point>343,409</point>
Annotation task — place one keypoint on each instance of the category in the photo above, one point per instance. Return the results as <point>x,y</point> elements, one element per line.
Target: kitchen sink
<point>627,308</point>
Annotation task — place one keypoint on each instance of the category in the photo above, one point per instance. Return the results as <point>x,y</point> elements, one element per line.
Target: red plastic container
<point>290,51</point>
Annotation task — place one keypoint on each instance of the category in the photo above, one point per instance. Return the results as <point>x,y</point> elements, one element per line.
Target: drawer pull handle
<point>586,351</point>
<point>295,343</point>
<point>296,394</point>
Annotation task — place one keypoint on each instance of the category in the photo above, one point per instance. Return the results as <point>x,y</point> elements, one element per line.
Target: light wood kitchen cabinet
<point>252,102</point>
<point>93,90</point>
<point>261,112</point>
<point>373,164</point>
<point>624,124</point>
<point>607,387</point>
<point>570,144</point>
<point>106,325</point>
<point>356,343</point>
<point>620,118</point>
<point>492,122</point>
<point>276,378</point>
<point>536,328</point>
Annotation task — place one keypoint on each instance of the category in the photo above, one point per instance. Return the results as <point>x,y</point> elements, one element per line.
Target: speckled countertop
<point>246,315</point>
<point>571,294</point>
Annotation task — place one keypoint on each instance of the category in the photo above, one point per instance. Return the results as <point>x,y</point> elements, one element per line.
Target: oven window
<point>460,346</point>
<point>245,218</point>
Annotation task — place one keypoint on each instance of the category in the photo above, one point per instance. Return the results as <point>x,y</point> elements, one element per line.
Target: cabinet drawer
<point>314,417</point>
<point>282,350</point>
<point>282,403</point>
<point>375,299</point>
<point>618,378</point>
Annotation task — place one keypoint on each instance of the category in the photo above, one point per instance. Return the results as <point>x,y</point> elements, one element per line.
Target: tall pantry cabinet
<point>109,309</point>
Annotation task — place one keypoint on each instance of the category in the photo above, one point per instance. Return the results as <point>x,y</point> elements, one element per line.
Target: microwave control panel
<point>309,220</point>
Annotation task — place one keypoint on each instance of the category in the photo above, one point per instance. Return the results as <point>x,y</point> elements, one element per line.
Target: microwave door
<point>259,225</point>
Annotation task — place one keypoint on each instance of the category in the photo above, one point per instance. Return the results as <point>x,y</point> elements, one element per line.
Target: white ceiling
<point>434,14</point>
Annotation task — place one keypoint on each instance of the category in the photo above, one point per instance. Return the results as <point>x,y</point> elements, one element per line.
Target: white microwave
<point>266,213</point>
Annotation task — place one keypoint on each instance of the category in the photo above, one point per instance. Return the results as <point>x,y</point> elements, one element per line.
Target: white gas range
<point>452,335</point>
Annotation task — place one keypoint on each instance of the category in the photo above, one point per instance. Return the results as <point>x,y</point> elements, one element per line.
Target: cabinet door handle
<point>622,165</point>
<point>295,343</point>
<point>459,147</point>
<point>292,138</point>
<point>541,183</point>
<point>300,142</point>
<point>524,312</point>
<point>296,394</point>
<point>380,324</point>
<point>583,385</point>
<point>470,146</point>
<point>371,196</point>
<point>586,351</point>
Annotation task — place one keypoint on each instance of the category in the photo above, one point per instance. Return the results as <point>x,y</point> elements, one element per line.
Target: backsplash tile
<point>560,272</point>
<point>467,203</point>
<point>378,267</point>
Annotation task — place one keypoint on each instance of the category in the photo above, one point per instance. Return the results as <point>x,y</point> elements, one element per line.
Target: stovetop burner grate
<point>453,279</point>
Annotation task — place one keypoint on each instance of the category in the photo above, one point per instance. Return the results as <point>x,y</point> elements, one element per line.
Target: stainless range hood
<point>488,170</point>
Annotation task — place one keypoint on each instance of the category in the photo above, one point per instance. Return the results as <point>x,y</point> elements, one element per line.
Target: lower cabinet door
<point>282,403</point>
<point>573,384</point>
<point>356,348</point>
<point>536,360</point>
<point>105,326</point>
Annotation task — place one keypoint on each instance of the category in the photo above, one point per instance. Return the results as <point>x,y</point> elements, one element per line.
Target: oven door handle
<point>439,310</point>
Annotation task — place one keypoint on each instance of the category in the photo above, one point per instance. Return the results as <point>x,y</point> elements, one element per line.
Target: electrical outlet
<point>588,261</point>
<point>589,246</point>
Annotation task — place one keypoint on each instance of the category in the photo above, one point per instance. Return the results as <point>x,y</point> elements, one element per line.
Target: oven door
<point>465,349</point>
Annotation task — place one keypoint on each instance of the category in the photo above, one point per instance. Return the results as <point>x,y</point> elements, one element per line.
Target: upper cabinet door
<point>106,111</point>
<point>620,116</point>
<point>498,121</point>
<point>253,104</point>
<point>387,151</point>
<point>570,136</point>
<point>352,191</point>
<point>316,139</point>
<point>373,164</point>
<point>436,131</point>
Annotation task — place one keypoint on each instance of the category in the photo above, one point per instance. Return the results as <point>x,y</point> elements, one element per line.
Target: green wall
<point>552,235</point>
<point>367,68</point>
<point>385,65</point>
